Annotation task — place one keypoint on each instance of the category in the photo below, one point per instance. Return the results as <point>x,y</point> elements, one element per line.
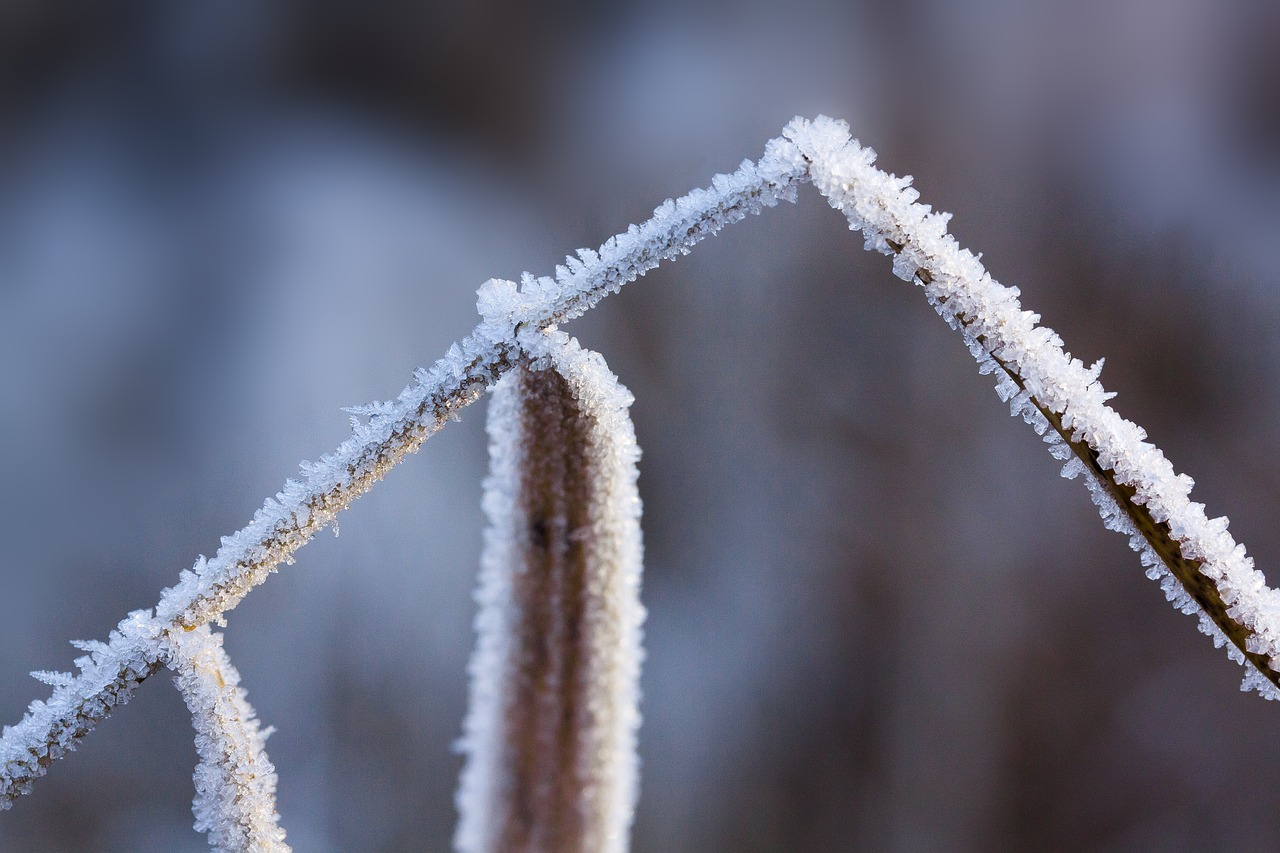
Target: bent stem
<point>1201,568</point>
<point>394,429</point>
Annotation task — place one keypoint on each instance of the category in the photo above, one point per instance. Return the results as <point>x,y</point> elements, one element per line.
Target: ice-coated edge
<point>235,801</point>
<point>607,644</point>
<point>383,434</point>
<point>1045,384</point>
<point>109,674</point>
<point>1130,479</point>
<point>398,427</point>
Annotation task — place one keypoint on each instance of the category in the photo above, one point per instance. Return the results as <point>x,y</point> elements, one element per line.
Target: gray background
<point>878,618</point>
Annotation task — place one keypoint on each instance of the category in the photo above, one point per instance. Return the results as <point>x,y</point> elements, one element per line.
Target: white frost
<point>109,674</point>
<point>1034,375</point>
<point>394,429</point>
<point>551,733</point>
<point>1006,340</point>
<point>235,783</point>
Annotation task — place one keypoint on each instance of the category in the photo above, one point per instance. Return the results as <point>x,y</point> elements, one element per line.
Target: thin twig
<point>394,430</point>
<point>1201,568</point>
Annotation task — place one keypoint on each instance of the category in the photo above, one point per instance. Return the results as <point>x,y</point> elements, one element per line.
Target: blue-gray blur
<point>878,618</point>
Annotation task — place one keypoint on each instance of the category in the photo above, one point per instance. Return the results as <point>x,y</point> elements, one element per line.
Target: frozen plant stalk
<point>235,782</point>
<point>384,433</point>
<point>1201,568</point>
<point>550,737</point>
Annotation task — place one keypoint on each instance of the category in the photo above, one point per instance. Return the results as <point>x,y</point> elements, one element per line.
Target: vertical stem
<point>235,781</point>
<point>551,733</point>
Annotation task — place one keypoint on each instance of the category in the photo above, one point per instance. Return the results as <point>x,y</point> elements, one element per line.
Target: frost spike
<point>50,729</point>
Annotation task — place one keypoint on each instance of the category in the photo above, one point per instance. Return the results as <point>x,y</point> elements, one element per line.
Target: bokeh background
<point>878,620</point>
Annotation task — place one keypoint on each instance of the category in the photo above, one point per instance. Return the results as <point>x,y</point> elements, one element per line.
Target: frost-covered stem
<point>235,782</point>
<point>393,430</point>
<point>1200,566</point>
<point>398,427</point>
<point>550,736</point>
<point>109,674</point>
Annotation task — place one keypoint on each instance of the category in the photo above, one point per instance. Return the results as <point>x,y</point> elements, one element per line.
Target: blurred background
<point>878,619</point>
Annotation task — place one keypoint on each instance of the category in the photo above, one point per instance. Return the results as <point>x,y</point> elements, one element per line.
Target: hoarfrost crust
<point>383,434</point>
<point>398,427</point>
<point>235,782</point>
<point>1199,565</point>
<point>1201,568</point>
<point>109,674</point>
<point>551,734</point>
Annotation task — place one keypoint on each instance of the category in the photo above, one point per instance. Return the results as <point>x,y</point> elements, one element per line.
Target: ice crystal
<point>53,727</point>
